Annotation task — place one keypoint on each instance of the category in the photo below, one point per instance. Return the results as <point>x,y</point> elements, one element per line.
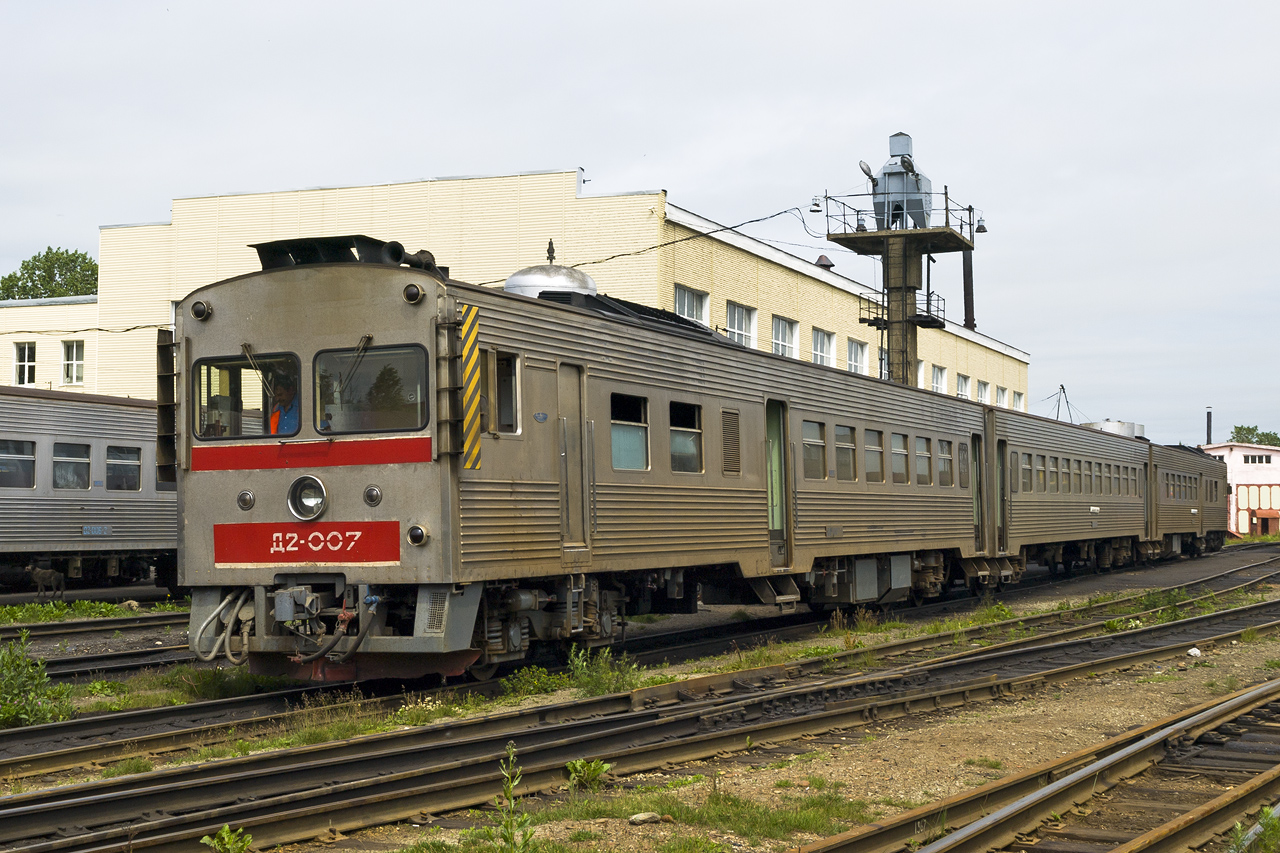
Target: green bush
<point>27,697</point>
<point>533,681</point>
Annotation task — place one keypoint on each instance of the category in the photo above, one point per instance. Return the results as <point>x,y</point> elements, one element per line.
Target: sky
<point>1122,154</point>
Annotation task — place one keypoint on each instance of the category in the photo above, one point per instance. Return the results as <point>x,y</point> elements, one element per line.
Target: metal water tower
<point>901,202</point>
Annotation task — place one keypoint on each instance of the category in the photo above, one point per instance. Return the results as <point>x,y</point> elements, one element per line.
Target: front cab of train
<point>313,492</point>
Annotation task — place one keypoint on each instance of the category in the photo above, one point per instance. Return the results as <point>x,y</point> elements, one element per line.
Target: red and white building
<point>1253,474</point>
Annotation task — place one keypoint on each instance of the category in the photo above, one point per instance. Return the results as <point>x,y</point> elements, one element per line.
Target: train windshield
<point>246,396</point>
<point>371,389</point>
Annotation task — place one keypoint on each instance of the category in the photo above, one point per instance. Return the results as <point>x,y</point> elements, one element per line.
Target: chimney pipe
<point>1208,425</point>
<point>969,321</point>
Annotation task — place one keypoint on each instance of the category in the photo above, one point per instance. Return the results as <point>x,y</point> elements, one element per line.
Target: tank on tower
<point>901,191</point>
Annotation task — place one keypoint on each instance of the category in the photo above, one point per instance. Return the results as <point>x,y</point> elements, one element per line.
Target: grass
<point>1230,684</point>
<point>986,763</point>
<point>127,768</point>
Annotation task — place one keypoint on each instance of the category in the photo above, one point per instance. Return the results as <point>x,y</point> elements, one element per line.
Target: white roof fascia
<point>680,216</point>
<point>49,300</point>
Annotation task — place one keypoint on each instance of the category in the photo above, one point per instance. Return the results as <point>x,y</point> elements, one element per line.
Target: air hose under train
<point>340,631</point>
<point>222,636</point>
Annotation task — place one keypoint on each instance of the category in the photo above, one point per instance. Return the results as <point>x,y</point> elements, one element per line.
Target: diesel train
<point>385,472</point>
<point>78,490</point>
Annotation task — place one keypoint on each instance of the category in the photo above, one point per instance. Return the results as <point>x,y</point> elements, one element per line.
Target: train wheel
<point>482,672</point>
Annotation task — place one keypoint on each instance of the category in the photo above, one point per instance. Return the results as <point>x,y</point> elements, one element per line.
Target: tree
<point>53,272</point>
<point>1252,435</point>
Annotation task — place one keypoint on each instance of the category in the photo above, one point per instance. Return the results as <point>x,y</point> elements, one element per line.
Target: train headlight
<point>201,310</point>
<point>245,500</point>
<point>413,294</point>
<point>307,498</point>
<point>418,535</point>
<point>372,495</point>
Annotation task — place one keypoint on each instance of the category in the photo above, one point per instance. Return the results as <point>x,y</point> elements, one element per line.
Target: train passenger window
<point>1106,478</point>
<point>1013,469</point>
<point>814,440</point>
<point>371,389</point>
<point>686,438</point>
<point>962,464</point>
<point>1097,478</point>
<point>1133,481</point>
<point>1075,477</point>
<point>946,474</point>
<point>1053,474</point>
<point>1088,478</point>
<point>924,462</point>
<point>1115,479</point>
<point>1026,472</point>
<point>846,451</point>
<point>629,432</point>
<point>124,469</point>
<point>500,391</point>
<point>70,466</point>
<point>17,464</point>
<point>873,439</point>
<point>1040,475</point>
<point>242,396</point>
<point>898,457</point>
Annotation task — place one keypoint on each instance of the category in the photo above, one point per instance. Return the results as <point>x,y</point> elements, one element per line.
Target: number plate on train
<point>366,543</point>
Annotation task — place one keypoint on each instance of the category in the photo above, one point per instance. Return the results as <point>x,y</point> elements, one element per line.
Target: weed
<point>600,674</point>
<point>1250,635</point>
<point>740,616</point>
<point>1266,835</point>
<point>106,688</point>
<point>817,652</point>
<point>227,840</point>
<point>128,767</point>
<point>583,835</point>
<point>27,697</point>
<point>533,681</point>
<point>423,710</point>
<point>647,618</point>
<point>988,763</point>
<point>201,684</point>
<point>1272,664</point>
<point>866,621</point>
<point>513,833</point>
<point>1159,678</point>
<point>587,775</point>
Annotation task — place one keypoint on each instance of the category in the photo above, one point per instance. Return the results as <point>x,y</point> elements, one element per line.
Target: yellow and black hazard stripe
<point>470,386</point>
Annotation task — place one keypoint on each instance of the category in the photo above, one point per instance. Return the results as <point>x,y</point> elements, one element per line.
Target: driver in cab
<point>284,405</point>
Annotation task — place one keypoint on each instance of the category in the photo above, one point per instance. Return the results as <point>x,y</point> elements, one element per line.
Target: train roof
<point>74,397</point>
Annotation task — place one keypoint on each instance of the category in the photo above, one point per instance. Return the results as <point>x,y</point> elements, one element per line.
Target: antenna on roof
<point>551,251</point>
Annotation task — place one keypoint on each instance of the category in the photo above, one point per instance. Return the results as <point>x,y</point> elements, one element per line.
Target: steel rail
<point>910,829</point>
<point>83,626</point>
<point>653,741</point>
<point>80,666</point>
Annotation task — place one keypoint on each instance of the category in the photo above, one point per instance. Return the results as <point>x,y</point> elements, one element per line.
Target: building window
<point>629,432</point>
<point>1017,401</point>
<point>946,476</point>
<point>784,337</point>
<point>691,305</point>
<point>962,386</point>
<point>884,363</point>
<point>920,374</point>
<point>924,462</point>
<point>70,466</point>
<point>857,357</point>
<point>846,466</point>
<point>1256,459</point>
<point>873,440</point>
<point>984,392</point>
<point>898,457</point>
<point>1002,397</point>
<point>73,362</point>
<point>17,464</point>
<point>824,347</point>
<point>24,363</point>
<point>741,324</point>
<point>814,438</point>
<point>686,438</point>
<point>940,379</point>
<point>124,469</point>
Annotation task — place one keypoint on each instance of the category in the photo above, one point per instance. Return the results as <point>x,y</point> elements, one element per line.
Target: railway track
<point>139,621</point>
<point>285,796</point>
<point>64,746</point>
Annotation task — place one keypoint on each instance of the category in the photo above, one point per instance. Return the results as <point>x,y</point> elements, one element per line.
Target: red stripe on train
<point>333,543</point>
<point>310,454</point>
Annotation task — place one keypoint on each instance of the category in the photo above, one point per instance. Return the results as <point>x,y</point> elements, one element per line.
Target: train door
<point>1152,503</point>
<point>573,533</point>
<point>979,494</point>
<point>1002,496</point>
<point>776,456</point>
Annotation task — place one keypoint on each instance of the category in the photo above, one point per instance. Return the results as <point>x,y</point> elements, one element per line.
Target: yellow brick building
<point>483,229</point>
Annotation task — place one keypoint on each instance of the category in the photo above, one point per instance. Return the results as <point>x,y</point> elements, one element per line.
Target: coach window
<point>1097,478</point>
<point>1053,474</point>
<point>686,438</point>
<point>1026,472</point>
<point>946,473</point>
<point>237,396</point>
<point>873,439</point>
<point>629,432</point>
<point>371,389</point>
<point>846,453</point>
<point>124,469</point>
<point>814,439</point>
<point>1075,475</point>
<point>898,457</point>
<point>1040,479</point>
<point>17,464</point>
<point>924,462</point>
<point>1115,479</point>
<point>500,391</point>
<point>962,464</point>
<point>70,466</point>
